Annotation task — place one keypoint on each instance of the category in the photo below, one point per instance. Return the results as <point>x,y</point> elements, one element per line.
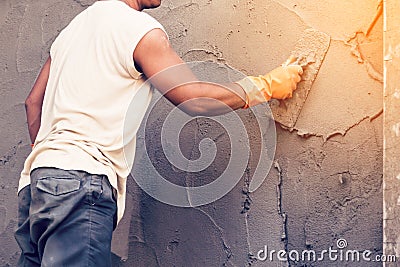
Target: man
<point>75,176</point>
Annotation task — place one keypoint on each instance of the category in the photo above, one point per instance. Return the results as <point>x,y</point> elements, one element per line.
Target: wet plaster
<point>327,179</point>
<point>335,182</point>
<point>318,203</point>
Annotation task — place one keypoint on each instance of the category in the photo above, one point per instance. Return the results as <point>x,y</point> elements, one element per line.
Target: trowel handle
<point>293,60</point>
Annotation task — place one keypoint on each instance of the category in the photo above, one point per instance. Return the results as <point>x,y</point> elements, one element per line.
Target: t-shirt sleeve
<point>147,24</point>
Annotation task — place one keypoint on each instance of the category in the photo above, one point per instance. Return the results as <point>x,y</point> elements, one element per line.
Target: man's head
<point>142,4</point>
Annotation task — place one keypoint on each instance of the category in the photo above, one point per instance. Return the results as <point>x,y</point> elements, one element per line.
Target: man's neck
<point>131,3</point>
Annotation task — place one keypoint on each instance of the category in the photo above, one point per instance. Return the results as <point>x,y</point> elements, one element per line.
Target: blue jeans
<point>66,218</point>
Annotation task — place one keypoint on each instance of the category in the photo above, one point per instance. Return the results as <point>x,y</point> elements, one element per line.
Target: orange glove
<point>279,84</point>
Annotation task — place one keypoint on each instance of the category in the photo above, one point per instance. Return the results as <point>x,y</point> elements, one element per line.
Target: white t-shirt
<point>92,83</point>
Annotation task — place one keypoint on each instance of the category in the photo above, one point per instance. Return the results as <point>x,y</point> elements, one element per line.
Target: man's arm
<point>34,101</point>
<point>168,73</point>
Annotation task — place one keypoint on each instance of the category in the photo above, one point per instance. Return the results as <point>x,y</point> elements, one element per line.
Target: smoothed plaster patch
<point>368,52</point>
<point>339,18</point>
<point>306,134</point>
<point>343,95</point>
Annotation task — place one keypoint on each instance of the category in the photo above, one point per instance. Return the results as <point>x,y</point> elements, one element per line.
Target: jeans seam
<point>90,231</point>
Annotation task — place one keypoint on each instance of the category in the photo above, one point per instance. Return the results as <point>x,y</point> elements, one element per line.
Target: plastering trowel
<point>310,51</point>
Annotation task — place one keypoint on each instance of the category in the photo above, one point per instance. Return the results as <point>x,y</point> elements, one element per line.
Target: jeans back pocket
<point>57,185</point>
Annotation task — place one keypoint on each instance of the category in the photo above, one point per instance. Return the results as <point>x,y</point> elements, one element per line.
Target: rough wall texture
<point>391,237</point>
<point>327,180</point>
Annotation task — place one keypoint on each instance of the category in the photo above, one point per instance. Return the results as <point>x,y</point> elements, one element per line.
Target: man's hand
<point>283,81</point>
<point>279,83</point>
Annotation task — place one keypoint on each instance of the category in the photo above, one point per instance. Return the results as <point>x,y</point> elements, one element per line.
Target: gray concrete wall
<point>327,181</point>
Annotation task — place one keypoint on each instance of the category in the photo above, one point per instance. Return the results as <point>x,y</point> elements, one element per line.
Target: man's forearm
<point>33,114</point>
<point>209,99</point>
<point>33,103</point>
